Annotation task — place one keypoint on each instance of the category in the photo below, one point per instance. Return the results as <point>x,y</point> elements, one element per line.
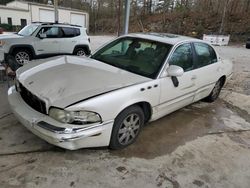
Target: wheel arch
<point>86,47</point>
<point>145,106</point>
<point>28,47</point>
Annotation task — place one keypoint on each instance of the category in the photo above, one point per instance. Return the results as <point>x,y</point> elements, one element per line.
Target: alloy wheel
<point>80,53</point>
<point>22,58</point>
<point>129,129</point>
<point>216,89</point>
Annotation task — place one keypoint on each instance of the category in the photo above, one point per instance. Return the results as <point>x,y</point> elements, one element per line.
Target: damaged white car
<point>105,99</point>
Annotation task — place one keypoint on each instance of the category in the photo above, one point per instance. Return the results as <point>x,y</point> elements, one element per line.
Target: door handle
<point>194,77</point>
<point>55,41</point>
<point>73,40</point>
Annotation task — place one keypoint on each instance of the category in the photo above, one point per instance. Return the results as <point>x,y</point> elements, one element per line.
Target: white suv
<point>44,39</point>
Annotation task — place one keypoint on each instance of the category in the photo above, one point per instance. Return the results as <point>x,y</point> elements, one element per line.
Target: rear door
<point>174,97</point>
<point>208,69</point>
<point>70,39</point>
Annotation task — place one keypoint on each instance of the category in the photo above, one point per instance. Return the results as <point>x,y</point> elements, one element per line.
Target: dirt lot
<point>202,145</point>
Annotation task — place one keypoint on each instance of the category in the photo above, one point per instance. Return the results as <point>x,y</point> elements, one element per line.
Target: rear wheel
<point>22,56</point>
<point>215,92</point>
<point>127,127</point>
<point>80,52</point>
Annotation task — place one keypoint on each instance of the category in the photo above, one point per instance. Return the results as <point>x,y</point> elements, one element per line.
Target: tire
<point>127,127</point>
<point>80,52</point>
<point>22,56</point>
<point>247,46</point>
<point>215,92</point>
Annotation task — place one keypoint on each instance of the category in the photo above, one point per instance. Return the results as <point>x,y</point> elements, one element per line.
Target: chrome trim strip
<point>62,130</point>
<point>175,98</point>
<point>201,88</point>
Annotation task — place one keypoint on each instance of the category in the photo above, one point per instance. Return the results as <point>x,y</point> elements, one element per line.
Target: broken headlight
<point>74,117</point>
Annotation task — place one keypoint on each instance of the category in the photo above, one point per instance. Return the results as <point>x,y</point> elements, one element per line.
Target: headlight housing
<point>74,117</point>
<point>2,42</point>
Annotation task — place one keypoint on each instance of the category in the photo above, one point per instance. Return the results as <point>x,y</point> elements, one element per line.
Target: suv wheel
<point>22,56</point>
<point>127,127</point>
<point>80,52</point>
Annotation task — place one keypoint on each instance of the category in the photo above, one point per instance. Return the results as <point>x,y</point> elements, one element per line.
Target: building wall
<point>64,14</point>
<point>18,10</point>
<point>15,14</point>
<point>15,4</point>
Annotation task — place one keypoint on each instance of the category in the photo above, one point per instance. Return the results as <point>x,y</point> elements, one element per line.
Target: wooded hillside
<point>188,17</point>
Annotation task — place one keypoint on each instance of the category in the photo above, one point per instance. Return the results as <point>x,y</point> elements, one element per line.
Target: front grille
<point>32,100</point>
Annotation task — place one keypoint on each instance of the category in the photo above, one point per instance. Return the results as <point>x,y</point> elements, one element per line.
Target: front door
<point>174,97</point>
<point>49,44</point>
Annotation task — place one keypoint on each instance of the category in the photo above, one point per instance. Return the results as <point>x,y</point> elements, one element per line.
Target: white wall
<point>15,14</point>
<point>64,14</point>
<point>31,12</point>
<point>18,4</point>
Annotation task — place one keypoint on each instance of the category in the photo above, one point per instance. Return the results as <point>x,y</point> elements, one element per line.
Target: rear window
<point>70,32</point>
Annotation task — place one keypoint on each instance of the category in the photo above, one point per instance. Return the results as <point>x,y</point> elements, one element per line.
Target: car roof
<point>56,24</point>
<point>164,37</point>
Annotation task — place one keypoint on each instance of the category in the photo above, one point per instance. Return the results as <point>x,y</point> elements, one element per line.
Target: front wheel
<point>215,92</point>
<point>22,56</point>
<point>127,127</point>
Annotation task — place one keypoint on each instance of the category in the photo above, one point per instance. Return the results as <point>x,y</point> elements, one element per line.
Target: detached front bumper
<point>63,135</point>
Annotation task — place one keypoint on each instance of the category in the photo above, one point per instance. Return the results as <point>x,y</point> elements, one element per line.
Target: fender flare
<point>83,46</point>
<point>30,47</point>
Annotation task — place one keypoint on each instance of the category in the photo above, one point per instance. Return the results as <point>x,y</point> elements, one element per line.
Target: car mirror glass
<point>174,70</point>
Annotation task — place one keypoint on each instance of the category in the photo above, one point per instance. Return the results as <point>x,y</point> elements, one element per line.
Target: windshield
<point>140,56</point>
<point>28,30</point>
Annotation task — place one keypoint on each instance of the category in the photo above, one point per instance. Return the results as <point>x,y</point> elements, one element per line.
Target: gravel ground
<point>202,145</point>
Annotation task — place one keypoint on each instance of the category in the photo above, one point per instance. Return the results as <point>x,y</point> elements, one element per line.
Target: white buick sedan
<point>105,99</point>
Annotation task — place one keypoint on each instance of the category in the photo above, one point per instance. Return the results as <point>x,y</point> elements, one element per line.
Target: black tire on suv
<point>22,56</point>
<point>80,51</point>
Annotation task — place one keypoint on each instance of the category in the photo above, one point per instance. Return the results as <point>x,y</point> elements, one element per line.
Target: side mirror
<point>42,35</point>
<point>175,71</point>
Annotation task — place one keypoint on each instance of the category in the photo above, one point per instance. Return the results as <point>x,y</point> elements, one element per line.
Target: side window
<point>205,54</point>
<point>183,57</point>
<point>51,32</point>
<point>77,31</point>
<point>68,32</point>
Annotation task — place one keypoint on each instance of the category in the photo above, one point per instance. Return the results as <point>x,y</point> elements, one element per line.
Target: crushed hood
<point>62,81</point>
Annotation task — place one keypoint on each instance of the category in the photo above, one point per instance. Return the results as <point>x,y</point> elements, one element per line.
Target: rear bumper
<point>59,134</point>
